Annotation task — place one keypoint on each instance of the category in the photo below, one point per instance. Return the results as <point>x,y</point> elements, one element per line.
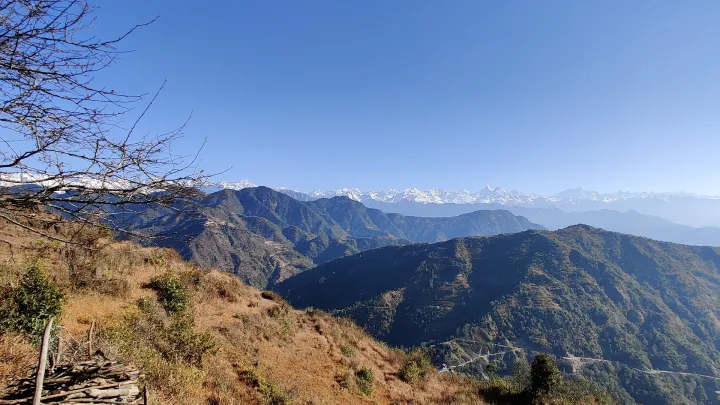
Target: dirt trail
<point>578,362</point>
<point>446,368</point>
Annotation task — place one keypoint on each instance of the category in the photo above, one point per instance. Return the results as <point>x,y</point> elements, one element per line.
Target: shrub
<point>271,295</point>
<point>81,265</point>
<point>544,374</point>
<point>113,287</point>
<point>347,350</point>
<point>27,307</point>
<point>155,260</point>
<point>498,390</point>
<point>279,310</point>
<point>172,293</point>
<point>272,393</point>
<point>145,333</point>
<point>343,381</point>
<point>188,346</point>
<point>314,312</point>
<point>365,380</point>
<point>416,367</point>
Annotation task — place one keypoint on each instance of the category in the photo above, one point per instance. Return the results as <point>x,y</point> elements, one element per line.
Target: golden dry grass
<point>267,352</point>
<point>17,357</point>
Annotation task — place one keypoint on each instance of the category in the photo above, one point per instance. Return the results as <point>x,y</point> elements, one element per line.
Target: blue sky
<point>535,96</point>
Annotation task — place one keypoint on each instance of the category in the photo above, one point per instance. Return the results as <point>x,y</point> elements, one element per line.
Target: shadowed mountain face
<point>265,236</point>
<point>638,312</point>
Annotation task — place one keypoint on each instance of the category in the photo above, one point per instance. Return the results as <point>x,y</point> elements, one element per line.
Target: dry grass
<point>17,357</point>
<point>266,351</point>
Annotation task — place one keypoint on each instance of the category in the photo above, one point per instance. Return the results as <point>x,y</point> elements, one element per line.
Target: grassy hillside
<point>203,337</point>
<point>638,316</point>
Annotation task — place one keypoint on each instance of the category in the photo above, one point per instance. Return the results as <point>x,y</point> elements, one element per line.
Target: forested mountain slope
<point>265,236</point>
<point>629,305</point>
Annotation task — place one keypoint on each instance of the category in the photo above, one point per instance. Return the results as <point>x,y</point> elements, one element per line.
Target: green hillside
<point>630,306</point>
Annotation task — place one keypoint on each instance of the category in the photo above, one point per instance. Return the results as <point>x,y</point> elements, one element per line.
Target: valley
<point>264,236</point>
<point>366,264</point>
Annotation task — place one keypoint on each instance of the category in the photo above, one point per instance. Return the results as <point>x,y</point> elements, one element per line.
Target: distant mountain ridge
<point>679,207</point>
<point>625,306</point>
<point>265,236</point>
<point>487,195</point>
<point>631,222</point>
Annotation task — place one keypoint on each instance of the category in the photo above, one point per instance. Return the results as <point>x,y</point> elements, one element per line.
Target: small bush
<point>410,373</point>
<point>172,293</point>
<point>244,318</point>
<point>155,260</point>
<point>314,312</point>
<point>82,269</point>
<point>113,287</point>
<point>271,295</point>
<point>187,345</point>
<point>27,307</point>
<point>145,333</point>
<point>347,350</point>
<point>365,380</point>
<point>279,310</point>
<point>498,390</point>
<point>272,393</point>
<point>416,367</point>
<point>343,381</point>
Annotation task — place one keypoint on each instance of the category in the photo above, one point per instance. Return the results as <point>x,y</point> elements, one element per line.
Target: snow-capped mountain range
<point>487,195</point>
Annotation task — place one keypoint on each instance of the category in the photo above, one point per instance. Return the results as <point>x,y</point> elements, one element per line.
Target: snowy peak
<point>236,185</point>
<point>577,193</point>
<point>486,195</point>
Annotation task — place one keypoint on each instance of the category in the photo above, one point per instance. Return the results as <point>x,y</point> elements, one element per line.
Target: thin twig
<point>90,339</point>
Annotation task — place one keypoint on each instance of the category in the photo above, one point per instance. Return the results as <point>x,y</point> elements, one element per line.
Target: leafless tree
<point>66,143</point>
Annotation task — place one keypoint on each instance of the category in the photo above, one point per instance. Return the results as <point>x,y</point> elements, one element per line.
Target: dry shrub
<point>119,288</point>
<point>11,271</point>
<point>213,285</point>
<point>396,357</point>
<point>167,348</point>
<point>270,392</point>
<point>105,269</point>
<point>223,385</point>
<point>17,357</point>
<point>272,296</point>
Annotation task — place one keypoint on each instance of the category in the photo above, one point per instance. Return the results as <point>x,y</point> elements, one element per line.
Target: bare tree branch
<point>62,142</point>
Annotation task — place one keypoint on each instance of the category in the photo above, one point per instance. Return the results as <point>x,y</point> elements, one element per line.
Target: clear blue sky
<point>532,95</point>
